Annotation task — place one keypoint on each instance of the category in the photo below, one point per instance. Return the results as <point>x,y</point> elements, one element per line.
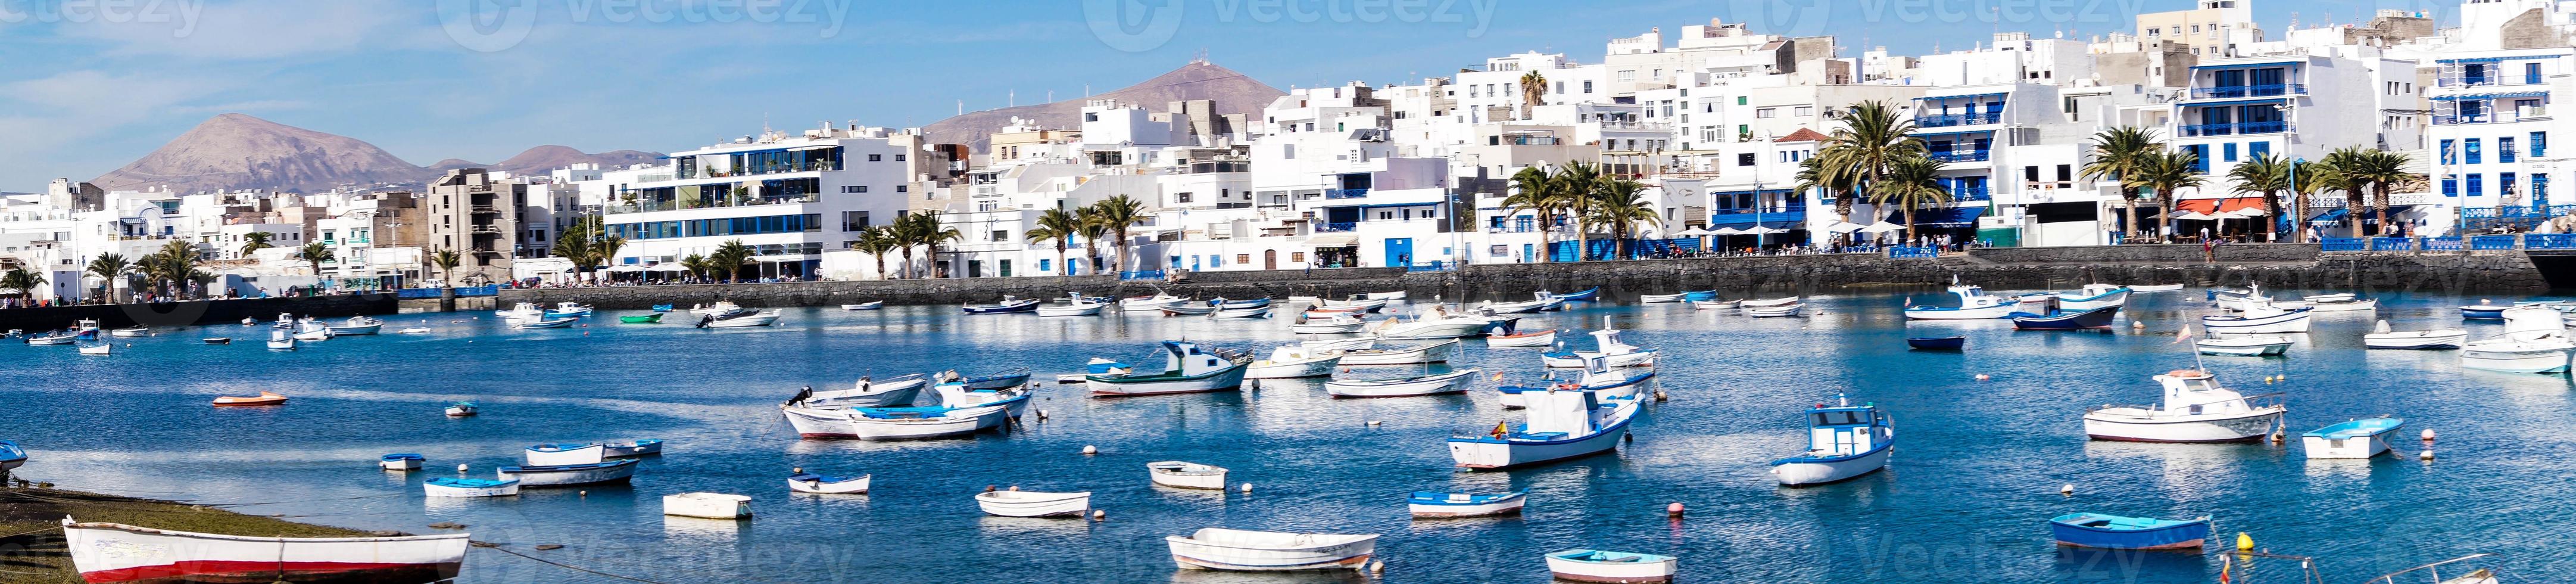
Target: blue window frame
<point>2539,189</point>
<point>2450,187</point>
<point>2477,184</point>
<point>2504,149</point>
<point>2472,156</point>
<point>2200,157</point>
<point>2228,151</point>
<point>2539,144</point>
<point>2447,158</point>
<point>1042,265</point>
<point>2258,149</point>
<point>2505,184</point>
<point>2531,73</point>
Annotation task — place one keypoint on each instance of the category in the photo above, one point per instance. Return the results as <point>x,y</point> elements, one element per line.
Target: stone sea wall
<point>197,312</point>
<point>2283,266</point>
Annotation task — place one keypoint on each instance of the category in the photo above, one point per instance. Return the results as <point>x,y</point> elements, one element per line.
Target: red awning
<point>2216,206</point>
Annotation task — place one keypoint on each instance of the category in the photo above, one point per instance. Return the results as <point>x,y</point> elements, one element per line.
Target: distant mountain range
<point>237,151</point>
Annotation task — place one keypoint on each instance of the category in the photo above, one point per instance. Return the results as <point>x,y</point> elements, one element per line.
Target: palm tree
<point>2312,179</point>
<point>2119,153</point>
<point>446,260</point>
<point>254,241</point>
<point>314,254</point>
<point>1093,231</point>
<point>926,230</point>
<point>1621,207</point>
<point>698,266</point>
<point>2349,162</point>
<point>2266,175</point>
<point>1532,190</point>
<point>25,282</point>
<point>1533,89</point>
<point>605,250</point>
<point>2166,173</point>
<point>1874,137</point>
<point>729,257</point>
<point>1910,183</point>
<point>2382,170</point>
<point>173,266</point>
<point>1119,213</point>
<point>1813,175</point>
<point>1059,225</point>
<point>1577,186</point>
<point>875,241</point>
<point>110,267</point>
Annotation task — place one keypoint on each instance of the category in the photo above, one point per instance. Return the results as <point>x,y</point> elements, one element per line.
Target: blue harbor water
<point>1967,497</point>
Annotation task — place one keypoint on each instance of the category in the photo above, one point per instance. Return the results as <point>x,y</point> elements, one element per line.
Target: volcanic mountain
<point>236,151</point>
<point>1232,93</point>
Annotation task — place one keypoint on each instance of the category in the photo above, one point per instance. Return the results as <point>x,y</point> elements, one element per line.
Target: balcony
<point>1336,227</point>
<point>1726,217</point>
<point>1970,193</point>
<point>761,170</point>
<point>1952,120</point>
<point>2496,117</point>
<point>1961,155</point>
<point>485,210</point>
<point>2237,91</point>
<point>1346,193</point>
<point>2273,127</point>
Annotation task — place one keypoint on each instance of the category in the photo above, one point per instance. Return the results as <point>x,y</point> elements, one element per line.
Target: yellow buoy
<point>2244,542</point>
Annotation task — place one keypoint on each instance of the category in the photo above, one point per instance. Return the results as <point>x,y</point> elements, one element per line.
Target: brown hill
<point>1232,93</point>
<point>235,151</point>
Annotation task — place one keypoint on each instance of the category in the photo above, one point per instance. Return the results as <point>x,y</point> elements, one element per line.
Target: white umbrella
<point>1727,231</point>
<point>2247,212</point>
<point>1692,232</point>
<point>1761,230</point>
<point>626,269</point>
<point>1882,227</point>
<point>2193,216</point>
<point>675,268</point>
<point>1844,227</point>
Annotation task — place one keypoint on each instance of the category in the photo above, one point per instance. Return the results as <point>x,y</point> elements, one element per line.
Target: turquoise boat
<point>2096,530</point>
<point>641,319</point>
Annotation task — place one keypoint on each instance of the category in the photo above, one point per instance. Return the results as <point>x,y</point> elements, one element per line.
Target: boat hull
<point>2416,340</point>
<point>1505,506</point>
<point>1191,554</point>
<point>816,484</point>
<point>2097,318</point>
<point>2509,361</point>
<point>1429,354</point>
<point>2244,350</point>
<point>1026,504</point>
<point>835,423</point>
<point>2239,428</point>
<point>2294,322</point>
<point>1808,472</point>
<point>753,320</point>
<point>1978,313</point>
<point>1615,573</point>
<point>1937,343</point>
<point>1432,330</point>
<point>1327,329</point>
<point>1114,385</point>
<point>2103,300</point>
<point>1292,370</point>
<point>2180,536</point>
<point>106,552</point>
<point>1772,311</point>
<point>558,476</point>
<point>1540,339</point>
<point>1574,360</point>
<point>1483,453</point>
<point>504,489</point>
<point>1180,476</point>
<point>2321,447</point>
<point>1447,383</point>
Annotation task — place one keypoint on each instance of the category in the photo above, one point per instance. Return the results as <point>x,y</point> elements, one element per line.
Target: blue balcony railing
<point>2517,212</point>
<point>1336,227</point>
<point>2549,241</point>
<point>2391,244</point>
<point>1728,217</point>
<point>2455,119</point>
<point>1345,193</point>
<point>2236,128</point>
<point>1951,120</point>
<point>2492,242</point>
<point>1903,252</point>
<point>1141,275</point>
<point>1970,193</point>
<point>2439,243</point>
<point>2249,91</point>
<point>2343,244</point>
<point>1961,155</point>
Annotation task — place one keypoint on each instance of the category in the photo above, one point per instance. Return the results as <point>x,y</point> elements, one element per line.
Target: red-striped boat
<point>113,552</point>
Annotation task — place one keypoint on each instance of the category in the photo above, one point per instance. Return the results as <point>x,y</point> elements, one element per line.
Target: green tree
<point>110,267</point>
<point>698,266</point>
<point>1910,183</point>
<point>2267,175</point>
<point>1579,185</point>
<point>2118,154</point>
<point>877,242</point>
<point>1813,175</point>
<point>1058,225</point>
<point>446,260</point>
<point>1533,89</point>
<point>1875,136</point>
<point>926,230</point>
<point>729,258</point>
<point>2168,172</point>
<point>314,254</point>
<point>1534,190</point>
<point>173,266</point>
<point>254,241</point>
<point>2381,171</point>
<point>1622,206</point>
<point>1093,232</point>
<point>1118,213</point>
<point>2315,178</point>
<point>25,282</point>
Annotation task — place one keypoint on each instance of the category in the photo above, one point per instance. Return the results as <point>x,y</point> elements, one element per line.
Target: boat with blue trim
<point>1937,343</point>
<point>402,461</point>
<point>2096,530</point>
<point>1006,378</point>
<point>1186,369</point>
<point>1974,304</point>
<point>2094,296</point>
<point>905,423</point>
<point>1009,304</point>
<point>1439,504</point>
<point>2484,310</point>
<point>12,456</point>
<point>1239,550</point>
<point>1560,425</point>
<point>1617,354</point>
<point>1844,441</point>
<point>563,475</point>
<point>1580,565</point>
<point>461,487</point>
<point>2363,438</point>
<point>2066,320</point>
<point>1597,377</point>
<point>806,482</point>
<point>1587,294</point>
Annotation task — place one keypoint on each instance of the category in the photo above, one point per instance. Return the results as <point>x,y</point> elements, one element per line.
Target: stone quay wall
<point>194,312</point>
<point>2284,266</point>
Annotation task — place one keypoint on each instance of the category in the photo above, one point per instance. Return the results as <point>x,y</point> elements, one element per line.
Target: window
<point>1243,258</point>
<point>1180,197</point>
<point>1042,265</point>
<point>2227,152</point>
<point>898,158</point>
<point>1766,113</point>
<point>2472,152</point>
<point>1587,86</point>
<point>2504,149</point>
<point>1090,116</point>
<point>1386,215</point>
<point>1745,159</point>
<point>1001,235</point>
<point>2539,190</point>
<point>2505,184</point>
<point>2447,158</point>
<point>2200,157</point>
<point>1739,100</point>
<point>1803,111</point>
<point>2065,172</point>
<point>1296,256</point>
<point>854,220</point>
<point>2450,187</point>
<point>903,188</point>
<point>876,158</point>
<point>2539,145</point>
<point>2258,149</point>
<point>2477,184</point>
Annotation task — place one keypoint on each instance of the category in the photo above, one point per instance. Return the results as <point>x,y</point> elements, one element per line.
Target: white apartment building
<point>789,196</point>
<point>2299,106</point>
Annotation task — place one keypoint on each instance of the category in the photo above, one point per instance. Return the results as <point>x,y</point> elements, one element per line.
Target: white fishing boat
<point>864,305</point>
<point>545,323</point>
<point>867,393</point>
<point>401,461</point>
<point>115,552</point>
<point>1337,323</point>
<point>1774,302</point>
<point>417,330</point>
<point>2381,337</point>
<point>1773,311</point>
<point>1435,384</point>
<point>806,482</point>
<point>1262,311</point>
<point>1186,369</point>
<point>1097,366</point>
<point>1186,475</point>
<point>1081,309</point>
<point>1267,551</point>
<point>1717,304</point>
<point>614,471</point>
<point>1844,441</point>
<point>2094,296</point>
<point>309,330</point>
<point>1034,504</point>
<point>2362,438</point>
<point>2195,409</point>
<point>463,409</point>
<point>1013,399</point>
<point>523,310</point>
<point>1431,353</point>
<point>740,319</point>
<point>1435,323</point>
<point>61,338</point>
<point>2535,340</point>
<point>1611,350</point>
<point>2244,345</point>
<point>1543,302</point>
<point>1351,344</point>
<point>358,325</point>
<point>1660,298</point>
<point>130,332</point>
<point>720,307</point>
<point>572,309</point>
<point>1581,565</point>
<point>1353,304</point>
<point>1536,339</point>
<point>1974,304</point>
<point>2262,317</point>
<point>1560,425</point>
<point>1396,295</point>
<point>905,423</point>
<point>1149,303</point>
<point>1597,377</point>
<point>93,346</point>
<point>1293,361</point>
<point>2332,298</point>
<point>281,340</point>
<point>566,454</point>
<point>631,448</point>
<point>2155,287</point>
<point>1434,504</point>
<point>457,487</point>
<point>2237,299</point>
<point>707,505</point>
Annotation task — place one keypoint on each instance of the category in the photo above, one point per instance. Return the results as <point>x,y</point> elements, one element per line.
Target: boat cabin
<point>2195,392</point>
<point>1608,339</point>
<point>1843,429</point>
<point>1974,296</point>
<point>1186,359</point>
<point>1558,414</point>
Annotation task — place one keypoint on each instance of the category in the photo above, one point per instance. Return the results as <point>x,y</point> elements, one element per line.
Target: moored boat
<point>2484,310</point>
<point>1293,361</point>
<point>1560,425</point>
<point>1186,369</point>
<point>2195,409</point>
<point>631,448</point>
<point>1580,565</point>
<point>1717,304</point>
<point>1610,349</point>
<point>872,305</point>
<point>867,393</point>
<point>1350,344</point>
<point>1437,323</point>
<point>806,482</point>
<point>904,423</point>
<point>2260,318</point>
<point>1009,304</point>
<point>1034,504</point>
<point>1974,304</point>
<point>739,319</point>
<point>1186,475</point>
<point>358,325</point>
<point>468,488</point>
<point>566,454</point>
<point>1660,298</point>
<point>2535,341</point>
<point>114,552</point>
<point>1536,339</point>
<point>265,398</point>
<point>1080,309</point>
<point>1325,324</point>
<point>12,456</point>
<point>280,340</point>
<point>1239,550</point>
<point>1586,294</point>
<point>2362,438</point>
<point>130,332</point>
<point>219,340</point>
<point>1435,384</point>
<point>1438,504</point>
<point>547,323</point>
<point>2066,320</point>
<point>1597,378</point>
<point>1430,353</point>
<point>401,461</point>
<point>614,471</point>
<point>2154,287</point>
<point>2244,345</point>
<point>1773,311</point>
<point>1937,343</point>
<point>707,505</point>
<point>2096,530</point>
<point>2094,296</point>
<point>1395,295</point>
<point>1148,303</point>
<point>2381,337</point>
<point>653,318</point>
<point>463,409</point>
<point>1844,441</point>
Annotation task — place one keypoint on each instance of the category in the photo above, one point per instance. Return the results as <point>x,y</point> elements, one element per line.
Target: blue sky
<point>85,88</point>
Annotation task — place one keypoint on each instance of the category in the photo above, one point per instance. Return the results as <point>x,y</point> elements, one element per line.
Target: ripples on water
<point>1966,500</point>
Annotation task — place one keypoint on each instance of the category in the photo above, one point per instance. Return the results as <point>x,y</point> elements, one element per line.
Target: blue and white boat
<point>468,488</point>
<point>661,308</point>
<point>1974,304</point>
<point>1586,294</point>
<point>402,461</point>
<point>2363,438</point>
<point>564,475</point>
<point>2095,530</point>
<point>1699,296</point>
<point>631,448</point>
<point>1097,366</point>
<point>2066,320</point>
<point>568,309</point>
<point>1598,377</point>
<point>1008,378</point>
<point>11,456</point>
<point>2484,310</point>
<point>1561,425</point>
<point>867,393</point>
<point>908,423</point>
<point>1580,565</point>
<point>806,482</point>
<point>2094,296</point>
<point>1438,504</point>
<point>1616,353</point>
<point>567,453</point>
<point>1186,369</point>
<point>1009,304</point>
<point>1844,441</point>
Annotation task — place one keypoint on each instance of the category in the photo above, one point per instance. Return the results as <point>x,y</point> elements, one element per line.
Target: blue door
<point>1399,252</point>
